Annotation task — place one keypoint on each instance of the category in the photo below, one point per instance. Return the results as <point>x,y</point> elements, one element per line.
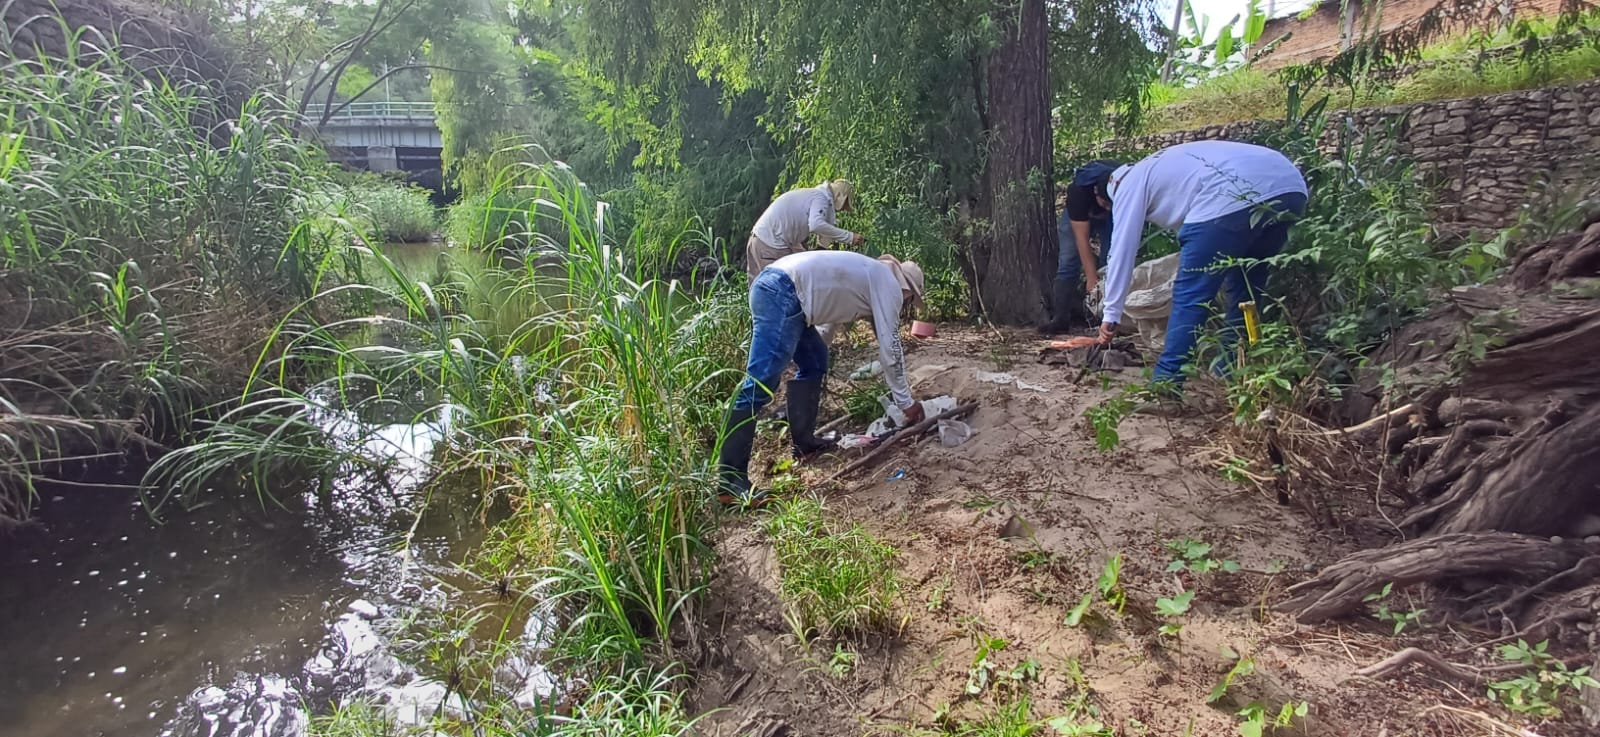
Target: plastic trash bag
<point>953,433</point>
<point>1149,300</point>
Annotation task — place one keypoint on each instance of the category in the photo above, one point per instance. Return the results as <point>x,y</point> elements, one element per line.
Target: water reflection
<point>226,620</point>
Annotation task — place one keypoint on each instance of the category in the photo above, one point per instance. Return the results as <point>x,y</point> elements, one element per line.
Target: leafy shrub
<point>491,220</point>
<point>395,214</point>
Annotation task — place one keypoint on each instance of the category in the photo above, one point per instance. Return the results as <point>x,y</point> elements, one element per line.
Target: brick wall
<point>1481,154</point>
<point>1317,37</point>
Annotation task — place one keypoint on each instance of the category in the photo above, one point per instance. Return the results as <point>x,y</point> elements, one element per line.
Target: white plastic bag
<point>953,433</point>
<point>1149,300</point>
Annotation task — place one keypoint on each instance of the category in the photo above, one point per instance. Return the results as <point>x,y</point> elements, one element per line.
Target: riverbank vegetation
<point>220,303</point>
<point>146,251</point>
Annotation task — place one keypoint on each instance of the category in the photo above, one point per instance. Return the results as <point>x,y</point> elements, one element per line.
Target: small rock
<point>1309,568</point>
<point>1016,528</point>
<point>1557,539</point>
<point>1592,540</point>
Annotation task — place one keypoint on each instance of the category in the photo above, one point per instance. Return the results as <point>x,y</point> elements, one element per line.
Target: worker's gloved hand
<point>857,239</point>
<point>914,413</point>
<point>1108,330</point>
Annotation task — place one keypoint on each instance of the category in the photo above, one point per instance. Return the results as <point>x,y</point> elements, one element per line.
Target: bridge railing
<point>387,109</point>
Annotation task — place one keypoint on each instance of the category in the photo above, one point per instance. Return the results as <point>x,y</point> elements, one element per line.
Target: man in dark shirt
<point>1084,217</point>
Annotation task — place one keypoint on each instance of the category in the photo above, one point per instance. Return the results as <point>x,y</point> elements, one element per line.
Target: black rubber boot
<point>733,462</point>
<point>1062,296</point>
<point>805,397</point>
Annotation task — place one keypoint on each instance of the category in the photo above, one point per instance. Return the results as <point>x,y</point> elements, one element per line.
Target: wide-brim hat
<point>908,274</point>
<point>843,193</point>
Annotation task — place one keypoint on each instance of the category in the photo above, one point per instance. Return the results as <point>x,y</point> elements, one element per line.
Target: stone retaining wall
<point>1484,155</point>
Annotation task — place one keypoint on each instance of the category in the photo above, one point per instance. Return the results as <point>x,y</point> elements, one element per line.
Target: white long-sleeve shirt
<point>1187,183</point>
<point>839,287</point>
<point>797,214</point>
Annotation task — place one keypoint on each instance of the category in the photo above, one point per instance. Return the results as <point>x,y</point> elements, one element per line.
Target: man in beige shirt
<point>795,216</point>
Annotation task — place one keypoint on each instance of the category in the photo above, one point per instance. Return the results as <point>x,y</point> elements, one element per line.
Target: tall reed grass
<point>142,253</point>
<point>591,414</point>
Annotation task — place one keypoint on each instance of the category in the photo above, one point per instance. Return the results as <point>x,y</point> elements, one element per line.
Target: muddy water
<point>237,618</point>
<point>227,620</point>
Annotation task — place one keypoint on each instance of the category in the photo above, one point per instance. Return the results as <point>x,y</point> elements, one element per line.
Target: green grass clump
<point>397,214</point>
<point>646,705</point>
<point>833,580</point>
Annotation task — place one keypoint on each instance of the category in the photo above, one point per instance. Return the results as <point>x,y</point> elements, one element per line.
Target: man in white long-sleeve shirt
<point>787,301</point>
<point>795,216</point>
<point>1228,201</point>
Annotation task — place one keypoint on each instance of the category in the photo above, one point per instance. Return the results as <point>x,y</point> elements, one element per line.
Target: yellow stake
<point>1252,324</point>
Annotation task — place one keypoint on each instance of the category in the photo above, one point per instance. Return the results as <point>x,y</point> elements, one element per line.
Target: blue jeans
<point>781,335</point>
<point>1256,232</point>
<point>1069,265</point>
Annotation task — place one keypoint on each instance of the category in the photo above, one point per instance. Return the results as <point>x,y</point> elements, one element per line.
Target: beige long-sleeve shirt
<point>798,214</point>
<point>839,287</point>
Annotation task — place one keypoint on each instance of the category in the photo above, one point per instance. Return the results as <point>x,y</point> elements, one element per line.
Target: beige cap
<point>843,192</point>
<point>908,273</point>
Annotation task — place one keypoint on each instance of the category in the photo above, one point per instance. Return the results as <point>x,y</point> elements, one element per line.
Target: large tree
<point>945,102</point>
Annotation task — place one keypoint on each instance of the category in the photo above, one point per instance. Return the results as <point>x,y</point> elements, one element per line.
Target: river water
<point>235,618</point>
<point>226,620</point>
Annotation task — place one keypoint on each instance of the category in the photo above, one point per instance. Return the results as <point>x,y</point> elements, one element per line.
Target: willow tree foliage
<point>947,104</point>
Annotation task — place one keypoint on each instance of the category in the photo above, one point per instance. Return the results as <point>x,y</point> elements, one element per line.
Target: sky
<point>1222,10</point>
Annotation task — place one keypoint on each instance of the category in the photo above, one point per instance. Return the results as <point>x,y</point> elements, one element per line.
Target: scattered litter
<point>867,371</point>
<point>993,378</point>
<point>938,405</point>
<point>1003,378</point>
<point>899,473</point>
<point>953,433</point>
<point>850,442</point>
<point>893,417</point>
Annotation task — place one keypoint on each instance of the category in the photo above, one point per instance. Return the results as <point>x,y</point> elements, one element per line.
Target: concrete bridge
<point>385,137</point>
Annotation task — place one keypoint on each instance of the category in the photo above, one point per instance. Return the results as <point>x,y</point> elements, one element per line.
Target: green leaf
<point>1230,566</point>
<point>1225,44</point>
<point>1075,615</point>
<point>1250,729</point>
<point>1176,566</point>
<point>1110,575</point>
<point>1175,606</point>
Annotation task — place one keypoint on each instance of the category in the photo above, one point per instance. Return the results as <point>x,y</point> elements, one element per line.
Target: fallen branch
<point>834,425</point>
<point>901,436</point>
<point>1367,431</point>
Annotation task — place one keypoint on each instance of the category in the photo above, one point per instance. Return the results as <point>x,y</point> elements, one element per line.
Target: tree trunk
<point>1015,258</point>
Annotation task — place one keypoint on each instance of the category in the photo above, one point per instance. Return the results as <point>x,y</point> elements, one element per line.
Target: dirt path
<point>1001,537</point>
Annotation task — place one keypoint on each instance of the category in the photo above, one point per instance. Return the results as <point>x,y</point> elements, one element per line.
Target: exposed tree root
<point>1461,673</point>
<point>1339,588</point>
